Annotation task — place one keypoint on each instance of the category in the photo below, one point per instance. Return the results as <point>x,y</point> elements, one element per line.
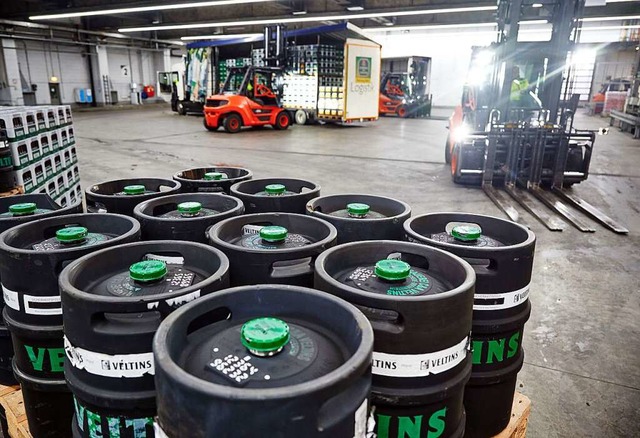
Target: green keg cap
<point>265,336</point>
<point>392,270</point>
<point>189,207</point>
<point>23,208</point>
<point>136,189</point>
<point>358,209</point>
<point>71,234</point>
<point>148,270</point>
<point>275,189</point>
<point>213,176</point>
<point>273,233</point>
<point>466,233</point>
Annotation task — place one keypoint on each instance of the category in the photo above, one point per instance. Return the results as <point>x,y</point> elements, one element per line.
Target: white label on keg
<point>159,433</point>
<point>251,229</point>
<point>176,301</point>
<point>31,305</point>
<point>361,421</point>
<point>419,365</point>
<point>11,298</point>
<point>505,300</point>
<point>117,365</point>
<point>167,259</point>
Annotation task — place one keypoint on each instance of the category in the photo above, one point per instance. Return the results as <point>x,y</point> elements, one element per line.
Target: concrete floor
<point>582,364</point>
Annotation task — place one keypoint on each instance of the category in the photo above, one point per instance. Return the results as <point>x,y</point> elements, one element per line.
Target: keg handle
<point>291,268</point>
<point>333,410</point>
<point>134,323</point>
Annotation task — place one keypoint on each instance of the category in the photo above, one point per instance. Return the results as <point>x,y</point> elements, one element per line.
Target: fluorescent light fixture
<point>308,19</point>
<point>299,13</point>
<point>620,17</point>
<point>220,36</point>
<point>355,8</point>
<point>389,23</point>
<point>533,22</point>
<point>537,5</point>
<point>630,26</point>
<point>621,1</point>
<point>427,27</point>
<point>144,9</point>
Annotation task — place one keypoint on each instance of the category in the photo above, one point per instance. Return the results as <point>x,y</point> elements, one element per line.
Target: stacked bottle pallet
<point>42,142</point>
<point>331,81</point>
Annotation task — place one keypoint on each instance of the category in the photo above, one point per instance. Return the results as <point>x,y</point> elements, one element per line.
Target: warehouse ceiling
<point>223,18</point>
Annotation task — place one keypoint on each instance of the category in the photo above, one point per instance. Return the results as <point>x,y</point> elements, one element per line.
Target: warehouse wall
<point>39,61</point>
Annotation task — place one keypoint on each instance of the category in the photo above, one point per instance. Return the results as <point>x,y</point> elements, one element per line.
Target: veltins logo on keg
<point>363,69</point>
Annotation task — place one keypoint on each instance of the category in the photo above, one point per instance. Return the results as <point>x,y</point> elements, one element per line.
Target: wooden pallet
<point>520,411</point>
<point>15,191</point>
<point>11,401</point>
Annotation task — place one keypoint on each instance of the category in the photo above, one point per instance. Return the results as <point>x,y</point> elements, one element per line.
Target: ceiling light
<point>620,1</point>
<point>533,22</point>
<point>630,26</point>
<point>308,19</point>
<point>428,27</point>
<point>621,17</point>
<point>220,36</point>
<point>389,23</point>
<point>355,8</point>
<point>144,9</point>
<point>299,13</point>
<point>537,5</point>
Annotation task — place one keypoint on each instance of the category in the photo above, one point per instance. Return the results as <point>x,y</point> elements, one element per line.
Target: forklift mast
<point>546,60</point>
<point>275,45</point>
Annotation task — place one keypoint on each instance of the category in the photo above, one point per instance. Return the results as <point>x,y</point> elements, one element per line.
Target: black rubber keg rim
<point>138,210</point>
<point>213,232</point>
<point>175,187</point>
<point>59,212</point>
<point>397,245</point>
<point>236,188</point>
<point>41,223</point>
<point>480,249</point>
<point>180,178</point>
<point>312,204</point>
<point>70,272</point>
<point>361,356</point>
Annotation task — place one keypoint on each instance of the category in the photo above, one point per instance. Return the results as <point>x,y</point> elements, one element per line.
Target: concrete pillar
<point>100,71</point>
<point>11,91</point>
<point>166,60</point>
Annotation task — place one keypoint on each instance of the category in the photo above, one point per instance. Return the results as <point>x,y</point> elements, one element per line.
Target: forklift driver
<point>519,86</point>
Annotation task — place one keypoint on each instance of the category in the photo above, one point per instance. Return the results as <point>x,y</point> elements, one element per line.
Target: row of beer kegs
<point>271,312</point>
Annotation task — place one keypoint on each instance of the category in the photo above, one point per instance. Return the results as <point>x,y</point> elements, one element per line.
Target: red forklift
<point>249,97</point>
<point>404,87</point>
<point>393,99</point>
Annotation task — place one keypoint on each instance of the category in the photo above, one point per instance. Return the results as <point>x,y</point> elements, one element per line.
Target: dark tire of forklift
<point>181,109</point>
<point>402,111</point>
<point>466,156</point>
<point>283,120</point>
<point>232,123</point>
<point>209,128</point>
<point>447,150</point>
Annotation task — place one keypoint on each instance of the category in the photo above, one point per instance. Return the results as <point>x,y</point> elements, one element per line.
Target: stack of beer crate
<point>43,147</point>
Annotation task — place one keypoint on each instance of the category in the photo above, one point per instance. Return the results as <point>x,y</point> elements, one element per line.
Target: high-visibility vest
<point>517,87</point>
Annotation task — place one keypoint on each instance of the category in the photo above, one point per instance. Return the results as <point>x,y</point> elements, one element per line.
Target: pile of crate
<point>42,142</point>
<point>257,57</point>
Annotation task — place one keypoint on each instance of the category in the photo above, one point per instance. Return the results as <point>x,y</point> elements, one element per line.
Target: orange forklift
<point>393,99</point>
<point>249,97</point>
